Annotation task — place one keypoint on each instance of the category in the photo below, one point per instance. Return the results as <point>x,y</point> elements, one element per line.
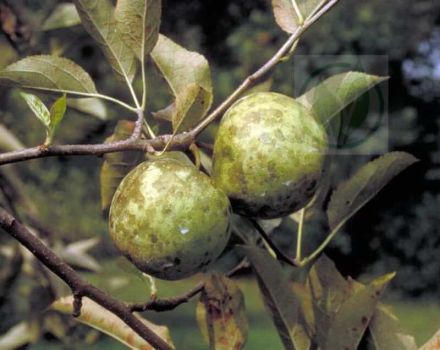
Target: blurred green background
<point>398,231</point>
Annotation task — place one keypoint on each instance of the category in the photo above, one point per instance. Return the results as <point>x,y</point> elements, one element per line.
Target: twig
<point>279,254</point>
<point>179,141</point>
<point>265,69</point>
<point>78,286</point>
<point>173,302</point>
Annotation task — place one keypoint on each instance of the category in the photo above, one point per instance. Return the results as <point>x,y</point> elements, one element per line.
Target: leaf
<point>16,337</point>
<point>103,320</point>
<point>97,17</point>
<point>354,193</point>
<point>138,21</point>
<point>37,107</point>
<point>278,296</point>
<point>63,16</point>
<point>91,106</point>
<point>331,96</point>
<point>433,343</point>
<point>354,316</point>
<point>328,290</point>
<point>57,112</point>
<point>221,314</point>
<point>76,254</point>
<point>8,141</point>
<point>189,78</point>
<point>117,165</point>
<point>287,17</point>
<point>48,73</point>
<point>385,332</point>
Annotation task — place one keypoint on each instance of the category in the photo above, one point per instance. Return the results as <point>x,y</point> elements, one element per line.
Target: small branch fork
<point>79,287</point>
<point>179,141</point>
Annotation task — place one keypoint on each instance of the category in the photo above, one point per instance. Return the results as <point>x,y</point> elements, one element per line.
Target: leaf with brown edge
<point>386,333</point>
<point>278,296</point>
<point>329,290</point>
<point>138,22</point>
<point>49,74</point>
<point>354,316</point>
<point>117,165</point>
<point>221,314</point>
<point>103,320</point>
<point>97,17</point>
<point>354,193</point>
<point>189,78</point>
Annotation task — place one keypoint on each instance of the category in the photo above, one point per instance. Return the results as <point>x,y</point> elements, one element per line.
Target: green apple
<point>268,155</point>
<point>169,219</point>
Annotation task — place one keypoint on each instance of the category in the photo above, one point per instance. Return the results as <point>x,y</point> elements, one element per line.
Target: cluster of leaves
<point>326,311</point>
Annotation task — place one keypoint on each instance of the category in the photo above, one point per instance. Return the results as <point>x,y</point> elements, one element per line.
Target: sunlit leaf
<point>117,165</point>
<point>433,343</point>
<point>221,314</point>
<point>354,316</point>
<point>38,108</point>
<point>335,93</point>
<point>278,297</point>
<point>386,333</point>
<point>57,112</point>
<point>8,141</point>
<point>288,18</point>
<point>16,337</point>
<point>103,320</point>
<point>138,22</point>
<point>64,15</point>
<point>49,74</point>
<point>354,193</point>
<point>91,106</point>
<point>97,17</point>
<point>189,78</point>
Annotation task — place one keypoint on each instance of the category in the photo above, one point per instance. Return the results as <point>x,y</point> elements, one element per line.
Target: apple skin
<point>168,219</point>
<point>268,155</point>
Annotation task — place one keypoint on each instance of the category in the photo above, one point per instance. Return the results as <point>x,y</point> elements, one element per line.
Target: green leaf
<point>354,193</point>
<point>386,333</point>
<point>138,22</point>
<point>8,141</point>
<point>334,94</point>
<point>287,17</point>
<point>433,343</point>
<point>117,165</point>
<point>221,314</point>
<point>63,16</point>
<point>97,17</point>
<point>189,78</point>
<point>49,74</point>
<point>38,108</point>
<point>354,316</point>
<point>57,112</point>
<point>278,297</point>
<point>329,290</point>
<point>103,320</point>
<point>91,106</point>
